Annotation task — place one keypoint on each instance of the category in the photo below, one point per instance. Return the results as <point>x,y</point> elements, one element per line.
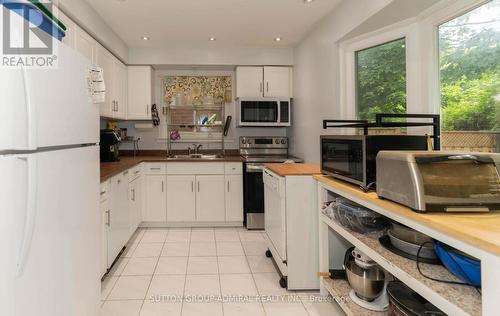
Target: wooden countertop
<point>110,169</point>
<point>478,230</point>
<point>293,169</point>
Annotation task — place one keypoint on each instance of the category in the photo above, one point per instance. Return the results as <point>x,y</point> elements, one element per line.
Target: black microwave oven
<point>271,112</point>
<point>353,158</point>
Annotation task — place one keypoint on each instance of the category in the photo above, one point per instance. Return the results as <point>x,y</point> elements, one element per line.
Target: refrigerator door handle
<point>29,224</point>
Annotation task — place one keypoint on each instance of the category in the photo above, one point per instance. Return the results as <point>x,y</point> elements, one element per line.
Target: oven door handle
<point>255,168</point>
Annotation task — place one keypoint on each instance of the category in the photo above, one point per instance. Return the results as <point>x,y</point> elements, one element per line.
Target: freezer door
<point>51,230</point>
<point>46,107</point>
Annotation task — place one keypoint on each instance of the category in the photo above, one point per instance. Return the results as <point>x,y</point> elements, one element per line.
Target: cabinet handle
<point>267,86</point>
<point>198,186</point>
<point>154,168</point>
<point>147,109</point>
<point>125,173</point>
<point>192,186</point>
<point>260,86</point>
<point>162,187</point>
<point>133,194</point>
<point>136,172</point>
<point>119,181</point>
<point>228,186</point>
<point>103,192</point>
<point>109,217</point>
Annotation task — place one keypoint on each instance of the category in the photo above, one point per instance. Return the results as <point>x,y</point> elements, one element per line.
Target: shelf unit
<point>451,299</point>
<point>194,113</point>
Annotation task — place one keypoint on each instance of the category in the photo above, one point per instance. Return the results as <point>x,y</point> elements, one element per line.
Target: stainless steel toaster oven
<point>440,181</point>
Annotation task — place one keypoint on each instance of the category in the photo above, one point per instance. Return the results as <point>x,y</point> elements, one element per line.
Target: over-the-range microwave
<point>273,112</point>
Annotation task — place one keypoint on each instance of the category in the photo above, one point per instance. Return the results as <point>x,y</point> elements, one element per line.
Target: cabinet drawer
<point>134,173</point>
<point>104,192</point>
<point>155,168</point>
<point>233,168</point>
<point>195,168</point>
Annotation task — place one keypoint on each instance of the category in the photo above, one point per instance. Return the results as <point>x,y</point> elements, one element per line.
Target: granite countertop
<point>294,169</point>
<point>110,169</point>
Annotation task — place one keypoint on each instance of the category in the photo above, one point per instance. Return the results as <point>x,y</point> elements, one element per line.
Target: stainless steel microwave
<point>273,112</point>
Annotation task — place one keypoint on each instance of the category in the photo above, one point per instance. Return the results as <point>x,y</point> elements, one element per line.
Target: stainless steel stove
<point>258,151</point>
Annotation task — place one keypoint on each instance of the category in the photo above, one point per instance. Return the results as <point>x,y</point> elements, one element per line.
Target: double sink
<point>196,157</point>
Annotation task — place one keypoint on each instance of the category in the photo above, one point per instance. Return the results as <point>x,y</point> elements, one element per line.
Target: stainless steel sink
<point>196,157</point>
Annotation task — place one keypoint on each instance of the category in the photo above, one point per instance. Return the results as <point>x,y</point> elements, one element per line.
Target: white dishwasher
<point>275,214</point>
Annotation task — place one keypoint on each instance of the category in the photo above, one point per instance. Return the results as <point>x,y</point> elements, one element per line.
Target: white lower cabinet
<point>104,236</point>
<point>135,204</point>
<point>155,209</point>
<point>234,198</point>
<point>181,198</point>
<point>210,206</point>
<point>119,222</point>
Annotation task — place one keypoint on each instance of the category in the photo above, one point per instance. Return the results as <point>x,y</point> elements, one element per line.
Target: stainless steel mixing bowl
<point>368,284</point>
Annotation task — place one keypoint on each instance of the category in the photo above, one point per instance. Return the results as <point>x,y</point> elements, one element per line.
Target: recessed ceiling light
<point>277,39</point>
<point>308,1</point>
<point>212,39</point>
<point>145,38</point>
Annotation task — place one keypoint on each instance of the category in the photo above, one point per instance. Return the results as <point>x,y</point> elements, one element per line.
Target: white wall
<point>214,56</point>
<point>89,20</point>
<point>316,75</point>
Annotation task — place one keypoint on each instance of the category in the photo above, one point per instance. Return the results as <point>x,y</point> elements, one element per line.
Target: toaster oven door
<point>343,158</point>
<point>460,183</point>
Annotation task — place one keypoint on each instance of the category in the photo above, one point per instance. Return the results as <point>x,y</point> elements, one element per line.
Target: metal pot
<point>427,251</point>
<point>405,302</point>
<point>408,234</point>
<point>368,284</point>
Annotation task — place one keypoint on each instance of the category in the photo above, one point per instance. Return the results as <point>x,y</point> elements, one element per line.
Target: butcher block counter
<point>293,169</point>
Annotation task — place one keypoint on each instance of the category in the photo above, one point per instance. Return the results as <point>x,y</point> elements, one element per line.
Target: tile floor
<point>202,271</point>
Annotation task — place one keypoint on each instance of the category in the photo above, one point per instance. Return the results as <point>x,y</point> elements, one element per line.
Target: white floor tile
<point>199,249</point>
<point>179,236</point>
<point>172,265</point>
<point>237,284</point>
<point>243,309</point>
<point>202,265</point>
<point>175,249</point>
<point>147,250</point>
<point>140,266</point>
<point>117,269</point>
<point>285,308</point>
<point>130,288</point>
<point>202,285</point>
<point>227,235</point>
<point>152,308</point>
<point>202,309</point>
<point>235,265</point>
<point>268,284</point>
<point>107,285</point>
<point>254,248</point>
<point>121,308</point>
<point>229,248</point>
<point>251,236</point>
<point>260,264</point>
<point>154,236</point>
<point>202,236</point>
<point>318,306</point>
<point>162,285</point>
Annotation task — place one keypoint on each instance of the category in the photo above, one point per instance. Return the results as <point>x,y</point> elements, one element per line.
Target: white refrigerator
<point>49,191</point>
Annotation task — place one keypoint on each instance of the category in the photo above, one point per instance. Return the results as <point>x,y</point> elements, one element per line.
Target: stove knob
<point>283,141</point>
<point>243,141</point>
<point>277,141</point>
<point>249,141</point>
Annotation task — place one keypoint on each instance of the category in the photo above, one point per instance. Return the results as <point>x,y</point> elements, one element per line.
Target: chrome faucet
<point>196,148</point>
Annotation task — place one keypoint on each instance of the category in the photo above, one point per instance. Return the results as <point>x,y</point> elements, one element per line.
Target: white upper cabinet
<point>255,82</point>
<point>139,92</point>
<point>249,82</point>
<point>115,80</point>
<point>277,82</point>
<point>121,88</point>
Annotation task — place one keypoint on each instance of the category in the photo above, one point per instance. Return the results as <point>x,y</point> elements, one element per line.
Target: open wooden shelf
<point>450,298</point>
<point>339,290</point>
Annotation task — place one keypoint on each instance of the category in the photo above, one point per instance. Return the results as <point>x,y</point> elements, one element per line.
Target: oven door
<point>254,196</point>
<point>259,112</point>
<point>344,158</point>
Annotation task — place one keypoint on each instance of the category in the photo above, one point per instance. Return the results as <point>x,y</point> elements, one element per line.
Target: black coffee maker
<point>110,141</point>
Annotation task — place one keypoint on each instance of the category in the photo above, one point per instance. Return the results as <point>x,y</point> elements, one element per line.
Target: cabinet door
<point>106,61</point>
<point>135,203</point>
<point>119,225</point>
<point>249,82</point>
<point>85,45</point>
<point>104,236</point>
<point>181,198</point>
<point>277,82</point>
<point>120,71</point>
<point>210,198</point>
<point>139,92</point>
<point>234,198</point>
<point>156,202</point>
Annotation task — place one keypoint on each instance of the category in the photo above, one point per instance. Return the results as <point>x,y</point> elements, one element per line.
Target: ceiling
<point>191,23</point>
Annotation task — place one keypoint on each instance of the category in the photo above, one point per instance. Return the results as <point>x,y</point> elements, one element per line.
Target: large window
<point>469,48</point>
<point>381,79</point>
